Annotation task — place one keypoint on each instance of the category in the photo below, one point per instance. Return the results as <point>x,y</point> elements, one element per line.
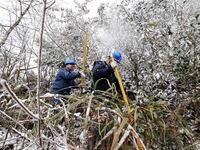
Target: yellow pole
<point>139,144</point>
<point>122,87</point>
<point>84,58</point>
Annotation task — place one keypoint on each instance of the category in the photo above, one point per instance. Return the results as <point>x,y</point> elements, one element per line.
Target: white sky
<point>92,6</point>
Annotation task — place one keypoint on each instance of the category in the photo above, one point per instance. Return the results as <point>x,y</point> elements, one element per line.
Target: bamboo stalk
<point>138,141</point>
<point>109,133</point>
<point>123,138</point>
<point>117,133</point>
<point>83,81</point>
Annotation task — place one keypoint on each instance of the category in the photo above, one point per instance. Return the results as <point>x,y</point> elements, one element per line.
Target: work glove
<point>82,74</point>
<point>113,64</point>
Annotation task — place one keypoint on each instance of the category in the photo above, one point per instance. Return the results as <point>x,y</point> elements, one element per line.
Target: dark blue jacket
<point>63,80</point>
<point>103,75</point>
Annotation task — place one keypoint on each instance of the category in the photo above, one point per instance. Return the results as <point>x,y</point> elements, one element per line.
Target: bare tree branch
<point>13,95</point>
<point>12,27</point>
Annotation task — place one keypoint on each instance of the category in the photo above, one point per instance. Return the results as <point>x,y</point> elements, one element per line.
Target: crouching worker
<point>65,77</point>
<point>103,73</point>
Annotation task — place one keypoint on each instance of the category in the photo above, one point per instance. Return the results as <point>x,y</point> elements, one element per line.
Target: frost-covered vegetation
<point>160,43</point>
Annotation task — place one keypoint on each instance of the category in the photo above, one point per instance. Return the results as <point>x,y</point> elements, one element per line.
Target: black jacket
<point>103,76</point>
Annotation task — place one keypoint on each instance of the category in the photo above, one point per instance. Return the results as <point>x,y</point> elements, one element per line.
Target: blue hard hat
<point>117,56</point>
<point>70,61</point>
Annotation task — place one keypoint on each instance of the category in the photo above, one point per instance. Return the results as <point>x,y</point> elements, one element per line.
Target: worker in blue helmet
<point>103,73</point>
<point>117,56</point>
<point>65,77</point>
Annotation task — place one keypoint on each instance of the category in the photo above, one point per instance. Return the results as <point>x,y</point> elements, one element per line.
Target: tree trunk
<point>39,68</point>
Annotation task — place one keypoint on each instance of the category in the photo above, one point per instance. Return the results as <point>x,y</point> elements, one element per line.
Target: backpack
<point>94,69</point>
<point>96,64</point>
